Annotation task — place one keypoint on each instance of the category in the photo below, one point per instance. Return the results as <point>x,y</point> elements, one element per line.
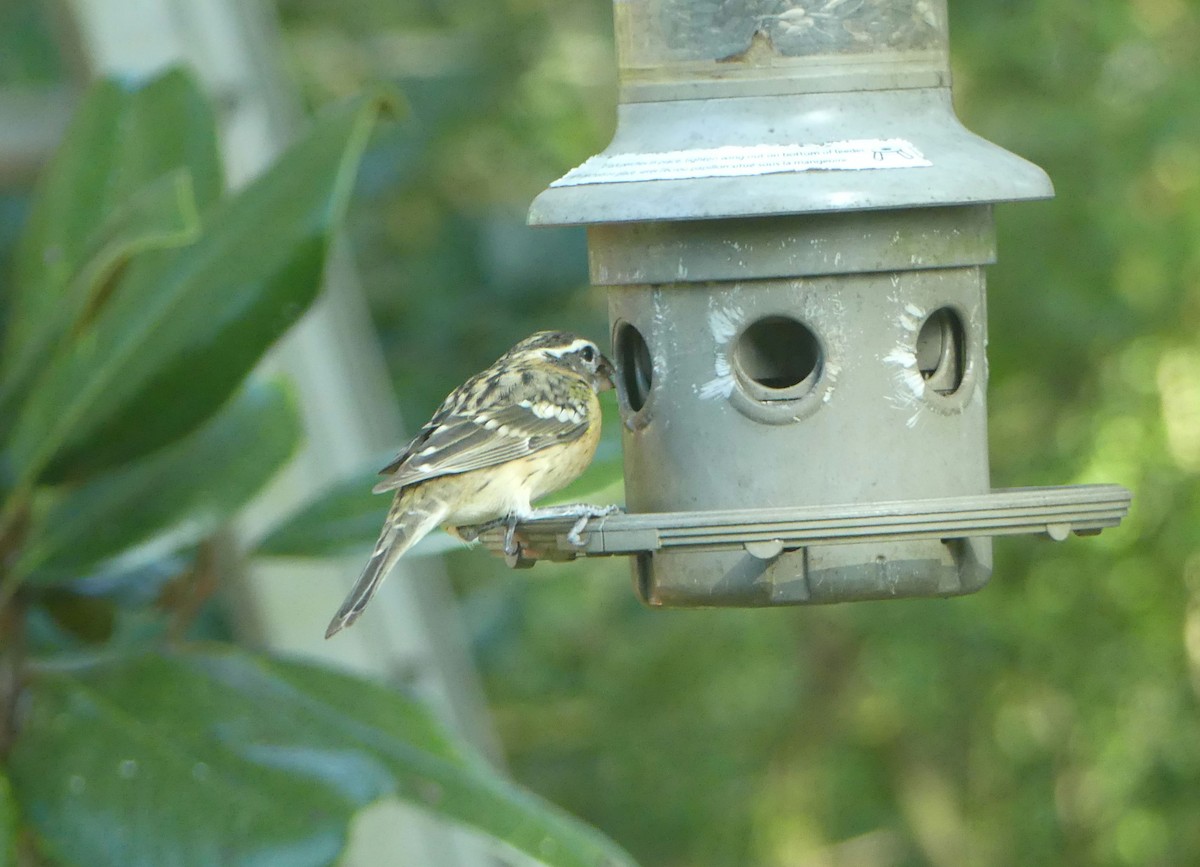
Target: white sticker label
<point>735,161</point>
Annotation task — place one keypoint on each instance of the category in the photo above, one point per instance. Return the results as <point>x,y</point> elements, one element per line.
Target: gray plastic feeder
<point>793,227</point>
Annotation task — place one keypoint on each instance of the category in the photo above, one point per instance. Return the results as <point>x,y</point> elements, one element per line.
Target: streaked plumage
<point>523,428</point>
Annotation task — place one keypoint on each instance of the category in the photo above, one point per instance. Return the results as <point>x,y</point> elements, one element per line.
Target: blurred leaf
<point>189,487</point>
<point>123,611</point>
<point>86,618</point>
<point>187,325</point>
<point>161,215</point>
<point>135,581</point>
<point>124,136</point>
<point>8,824</point>
<point>345,518</point>
<point>219,757</point>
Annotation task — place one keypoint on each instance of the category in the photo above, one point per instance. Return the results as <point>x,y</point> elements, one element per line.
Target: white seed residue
<point>720,385</point>
<point>723,323</point>
<point>911,318</point>
<point>128,769</point>
<point>658,359</point>
<point>911,385</point>
<point>826,314</point>
<point>831,373</point>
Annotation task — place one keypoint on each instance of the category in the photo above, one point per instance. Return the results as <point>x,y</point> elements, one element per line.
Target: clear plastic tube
<point>660,39</point>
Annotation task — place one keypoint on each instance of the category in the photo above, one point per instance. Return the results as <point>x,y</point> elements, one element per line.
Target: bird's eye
<point>588,354</point>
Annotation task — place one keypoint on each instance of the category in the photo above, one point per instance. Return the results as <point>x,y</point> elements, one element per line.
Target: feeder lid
<point>697,159</point>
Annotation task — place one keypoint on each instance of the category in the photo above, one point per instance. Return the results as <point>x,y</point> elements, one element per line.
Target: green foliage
<point>143,299</point>
<point>121,140</point>
<point>213,756</point>
<point>219,302</point>
<point>159,216</point>
<point>189,487</point>
<point>8,824</point>
<point>504,95</point>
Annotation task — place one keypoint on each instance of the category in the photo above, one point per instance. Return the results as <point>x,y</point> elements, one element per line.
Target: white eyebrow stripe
<point>575,345</point>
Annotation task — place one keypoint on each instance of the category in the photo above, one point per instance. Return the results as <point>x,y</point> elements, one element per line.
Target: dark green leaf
<point>187,325</point>
<point>161,215</point>
<point>123,136</point>
<point>90,619</point>
<point>218,757</point>
<point>188,488</point>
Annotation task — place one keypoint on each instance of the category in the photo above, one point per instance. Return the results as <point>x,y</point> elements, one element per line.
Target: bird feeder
<point>792,226</point>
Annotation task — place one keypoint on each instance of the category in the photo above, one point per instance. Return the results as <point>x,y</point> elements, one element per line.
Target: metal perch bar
<point>1053,511</point>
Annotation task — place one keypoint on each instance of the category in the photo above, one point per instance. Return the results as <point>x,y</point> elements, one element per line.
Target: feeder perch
<point>793,227</point>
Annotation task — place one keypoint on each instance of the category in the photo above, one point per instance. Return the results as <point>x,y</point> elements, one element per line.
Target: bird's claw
<point>511,546</point>
<point>582,514</point>
<point>573,534</point>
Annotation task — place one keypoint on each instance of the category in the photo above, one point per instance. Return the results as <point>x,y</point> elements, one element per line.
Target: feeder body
<point>792,226</point>
<point>797,364</point>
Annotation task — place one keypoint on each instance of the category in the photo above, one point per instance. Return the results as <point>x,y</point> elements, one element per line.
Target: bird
<point>524,427</point>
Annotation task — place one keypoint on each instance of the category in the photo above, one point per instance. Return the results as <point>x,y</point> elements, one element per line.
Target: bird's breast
<point>510,488</point>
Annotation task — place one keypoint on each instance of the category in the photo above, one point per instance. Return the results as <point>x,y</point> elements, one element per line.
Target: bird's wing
<point>456,442</point>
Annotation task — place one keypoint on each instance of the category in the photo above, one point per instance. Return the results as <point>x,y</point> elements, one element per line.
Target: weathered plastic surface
<point>962,167</point>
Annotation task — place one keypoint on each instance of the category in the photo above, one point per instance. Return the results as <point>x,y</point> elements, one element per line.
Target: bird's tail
<point>412,516</point>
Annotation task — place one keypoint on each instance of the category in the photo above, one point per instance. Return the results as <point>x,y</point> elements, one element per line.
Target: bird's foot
<point>582,512</point>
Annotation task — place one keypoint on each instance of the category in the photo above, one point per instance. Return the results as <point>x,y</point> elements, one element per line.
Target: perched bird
<point>524,427</point>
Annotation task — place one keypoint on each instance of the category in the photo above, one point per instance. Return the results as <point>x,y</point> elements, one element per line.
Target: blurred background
<point>1051,718</point>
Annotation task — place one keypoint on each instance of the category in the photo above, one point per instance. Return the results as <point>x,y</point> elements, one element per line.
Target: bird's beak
<point>605,374</point>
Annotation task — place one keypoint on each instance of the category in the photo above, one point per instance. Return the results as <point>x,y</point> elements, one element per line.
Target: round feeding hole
<point>941,351</point>
<point>635,370</point>
<point>777,358</point>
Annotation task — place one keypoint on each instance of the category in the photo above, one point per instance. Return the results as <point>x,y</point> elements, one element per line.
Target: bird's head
<point>570,351</point>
